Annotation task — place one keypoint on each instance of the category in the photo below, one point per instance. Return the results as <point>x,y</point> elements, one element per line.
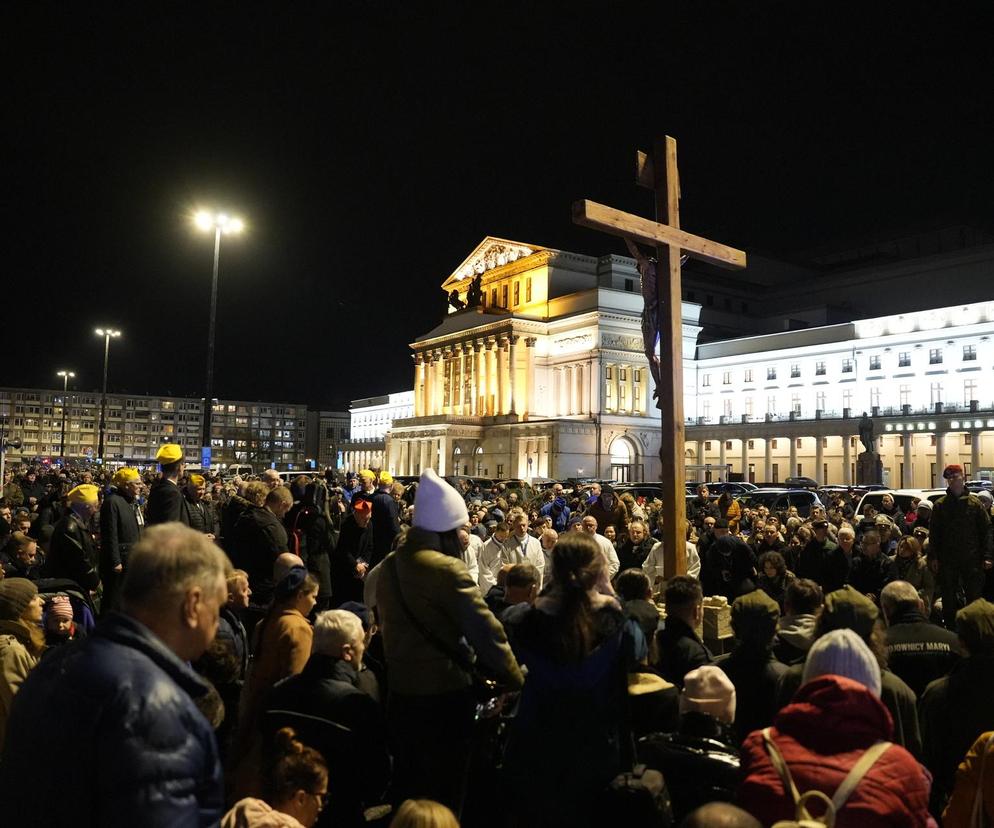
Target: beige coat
<point>444,598</point>
<point>15,664</point>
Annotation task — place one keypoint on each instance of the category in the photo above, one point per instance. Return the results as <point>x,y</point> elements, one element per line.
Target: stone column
<point>423,455</point>
<point>745,460</point>
<point>491,366</point>
<point>512,371</point>
<point>427,402</point>
<point>501,376</point>
<point>587,388</point>
<point>529,406</point>
<point>940,459</point>
<point>630,373</point>
<point>975,453</point>
<point>820,461</point>
<point>701,474</point>
<point>908,478</point>
<point>846,460</point>
<point>721,460</point>
<point>440,382</point>
<point>556,382</point>
<point>567,389</point>
<point>443,457</point>
<point>596,375</point>
<point>793,458</point>
<point>419,385</point>
<point>479,397</point>
<point>768,458</point>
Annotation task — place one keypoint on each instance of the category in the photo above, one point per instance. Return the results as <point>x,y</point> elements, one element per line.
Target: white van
<point>902,497</point>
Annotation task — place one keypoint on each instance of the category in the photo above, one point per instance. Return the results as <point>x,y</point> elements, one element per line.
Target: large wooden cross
<point>659,174</point>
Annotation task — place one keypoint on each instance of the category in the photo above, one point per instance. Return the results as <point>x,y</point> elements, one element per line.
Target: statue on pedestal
<point>866,433</point>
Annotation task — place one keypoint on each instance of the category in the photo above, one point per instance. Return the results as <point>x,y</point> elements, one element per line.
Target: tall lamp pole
<point>66,376</point>
<point>221,224</point>
<point>106,333</point>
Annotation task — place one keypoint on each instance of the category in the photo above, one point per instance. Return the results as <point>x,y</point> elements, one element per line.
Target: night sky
<point>370,148</point>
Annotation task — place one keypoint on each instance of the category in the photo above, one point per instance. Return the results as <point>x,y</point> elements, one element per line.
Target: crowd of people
<point>343,652</point>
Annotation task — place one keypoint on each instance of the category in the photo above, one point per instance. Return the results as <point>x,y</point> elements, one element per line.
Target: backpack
<point>802,817</point>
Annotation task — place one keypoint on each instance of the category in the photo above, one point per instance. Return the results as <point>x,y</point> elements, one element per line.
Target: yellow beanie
<point>84,493</point>
<point>366,474</point>
<point>169,453</point>
<point>125,475</point>
<point>197,479</point>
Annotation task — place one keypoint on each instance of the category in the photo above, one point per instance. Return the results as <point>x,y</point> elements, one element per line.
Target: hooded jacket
<point>795,637</point>
<point>821,735</point>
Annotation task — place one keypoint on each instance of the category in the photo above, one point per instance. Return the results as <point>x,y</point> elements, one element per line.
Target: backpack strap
<point>781,766</point>
<point>855,776</point>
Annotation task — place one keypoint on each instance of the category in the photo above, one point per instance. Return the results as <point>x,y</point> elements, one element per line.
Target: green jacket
<point>960,529</point>
<point>441,594</point>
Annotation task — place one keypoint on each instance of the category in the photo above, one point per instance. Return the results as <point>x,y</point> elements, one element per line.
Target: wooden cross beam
<point>659,173</point>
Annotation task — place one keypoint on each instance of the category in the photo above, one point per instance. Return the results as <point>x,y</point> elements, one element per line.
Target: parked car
<point>780,500</point>
<point>800,483</point>
<point>902,497</point>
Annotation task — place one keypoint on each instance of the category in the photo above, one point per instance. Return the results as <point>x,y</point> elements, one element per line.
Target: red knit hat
<point>59,606</point>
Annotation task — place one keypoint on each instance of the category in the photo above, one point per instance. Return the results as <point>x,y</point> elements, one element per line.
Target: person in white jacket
<point>653,564</point>
<point>491,558</point>
<point>521,546</point>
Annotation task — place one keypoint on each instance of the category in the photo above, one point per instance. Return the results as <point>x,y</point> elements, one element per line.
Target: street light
<point>220,223</point>
<point>106,333</point>
<point>66,376</point>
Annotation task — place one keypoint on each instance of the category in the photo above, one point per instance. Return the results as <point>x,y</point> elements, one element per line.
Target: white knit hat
<point>708,690</point>
<point>843,653</point>
<point>438,507</point>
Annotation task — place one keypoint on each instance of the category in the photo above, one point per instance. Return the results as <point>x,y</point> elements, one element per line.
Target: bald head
<point>898,593</point>
<point>720,815</point>
<point>285,561</point>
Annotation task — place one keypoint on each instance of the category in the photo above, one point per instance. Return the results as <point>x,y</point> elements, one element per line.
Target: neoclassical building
<point>546,379</point>
<point>773,406</point>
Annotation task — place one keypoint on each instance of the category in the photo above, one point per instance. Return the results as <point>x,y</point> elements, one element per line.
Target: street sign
<point>205,457</point>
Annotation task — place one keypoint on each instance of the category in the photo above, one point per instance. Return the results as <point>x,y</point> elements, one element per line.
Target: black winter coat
<point>259,538</point>
<point>918,651</point>
<point>324,704</point>
<point>386,525</point>
<point>825,564</point>
<point>165,503</point>
<point>120,701</point>
<point>118,530</point>
<point>680,651</point>
<point>73,554</point>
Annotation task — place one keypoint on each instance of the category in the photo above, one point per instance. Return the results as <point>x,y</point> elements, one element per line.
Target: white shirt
<point>527,550</point>
<point>470,557</point>
<point>489,561</point>
<point>653,564</point>
<point>610,553</point>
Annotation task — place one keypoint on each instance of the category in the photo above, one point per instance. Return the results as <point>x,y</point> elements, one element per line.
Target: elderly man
<point>73,554</point>
<point>589,525</point>
<point>123,698</point>
<point>119,532</point>
<point>521,546</point>
<point>271,478</point>
<point>326,706</point>
<point>165,500</point>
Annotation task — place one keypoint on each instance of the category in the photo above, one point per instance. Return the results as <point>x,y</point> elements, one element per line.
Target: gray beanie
<point>843,653</point>
<point>15,595</point>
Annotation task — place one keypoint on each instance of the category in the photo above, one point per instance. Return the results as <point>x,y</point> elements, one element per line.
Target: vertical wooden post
<point>666,186</point>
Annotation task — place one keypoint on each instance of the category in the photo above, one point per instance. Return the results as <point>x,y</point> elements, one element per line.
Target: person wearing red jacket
<point>834,718</point>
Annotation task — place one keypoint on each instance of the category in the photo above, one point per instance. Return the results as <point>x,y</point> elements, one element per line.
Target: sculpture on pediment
<point>474,296</point>
<point>455,301</point>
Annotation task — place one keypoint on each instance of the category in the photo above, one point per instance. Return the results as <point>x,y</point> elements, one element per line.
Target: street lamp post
<point>66,376</point>
<point>220,223</point>
<point>106,333</point>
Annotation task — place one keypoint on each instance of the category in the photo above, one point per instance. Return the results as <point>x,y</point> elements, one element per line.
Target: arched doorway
<point>625,465</point>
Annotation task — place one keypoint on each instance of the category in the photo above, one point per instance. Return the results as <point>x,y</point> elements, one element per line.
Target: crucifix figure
<point>659,174</point>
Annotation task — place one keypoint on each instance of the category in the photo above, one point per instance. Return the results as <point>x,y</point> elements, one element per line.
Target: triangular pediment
<point>490,254</point>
